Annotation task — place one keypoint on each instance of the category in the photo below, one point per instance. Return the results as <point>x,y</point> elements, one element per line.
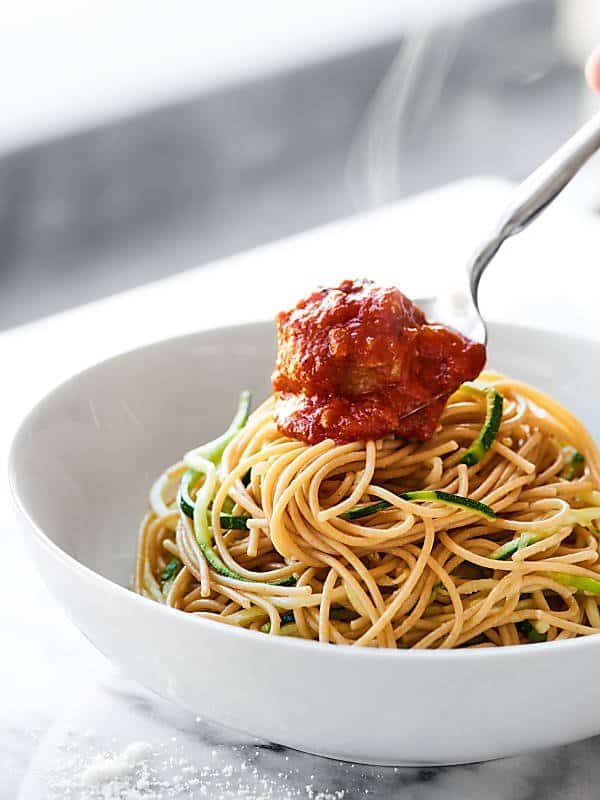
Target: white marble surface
<point>62,706</point>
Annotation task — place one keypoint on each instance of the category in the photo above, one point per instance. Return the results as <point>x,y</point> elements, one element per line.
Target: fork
<point>460,308</point>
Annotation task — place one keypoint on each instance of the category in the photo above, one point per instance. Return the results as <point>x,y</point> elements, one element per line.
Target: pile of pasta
<point>483,536</point>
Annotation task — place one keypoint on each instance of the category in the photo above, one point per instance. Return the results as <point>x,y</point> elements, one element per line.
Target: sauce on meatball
<point>354,360</point>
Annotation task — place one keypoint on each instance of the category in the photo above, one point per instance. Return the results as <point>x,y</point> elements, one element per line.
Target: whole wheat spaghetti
<point>388,543</point>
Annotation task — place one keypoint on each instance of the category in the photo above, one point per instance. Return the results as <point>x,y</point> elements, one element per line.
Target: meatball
<point>353,361</point>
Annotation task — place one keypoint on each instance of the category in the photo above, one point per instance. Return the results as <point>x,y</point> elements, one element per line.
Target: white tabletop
<point>60,702</point>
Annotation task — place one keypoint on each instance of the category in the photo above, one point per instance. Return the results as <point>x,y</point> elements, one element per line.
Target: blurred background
<point>139,138</point>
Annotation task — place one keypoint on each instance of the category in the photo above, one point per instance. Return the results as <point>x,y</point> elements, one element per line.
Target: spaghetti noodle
<point>388,542</point>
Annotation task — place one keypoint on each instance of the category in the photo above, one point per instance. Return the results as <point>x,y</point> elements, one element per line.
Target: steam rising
<point>400,108</point>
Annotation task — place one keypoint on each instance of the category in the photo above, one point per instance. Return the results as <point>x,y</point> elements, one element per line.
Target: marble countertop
<point>67,714</point>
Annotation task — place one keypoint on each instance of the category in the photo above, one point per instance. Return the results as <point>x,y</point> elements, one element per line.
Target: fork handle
<point>536,192</point>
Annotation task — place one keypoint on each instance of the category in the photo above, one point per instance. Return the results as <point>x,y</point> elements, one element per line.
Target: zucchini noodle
<point>388,543</point>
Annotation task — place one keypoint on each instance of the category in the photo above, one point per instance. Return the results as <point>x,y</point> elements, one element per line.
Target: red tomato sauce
<point>354,360</point>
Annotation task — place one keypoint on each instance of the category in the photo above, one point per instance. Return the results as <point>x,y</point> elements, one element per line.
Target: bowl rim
<point>324,649</point>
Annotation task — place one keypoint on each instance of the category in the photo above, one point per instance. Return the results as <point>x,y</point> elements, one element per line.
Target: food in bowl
<point>388,494</point>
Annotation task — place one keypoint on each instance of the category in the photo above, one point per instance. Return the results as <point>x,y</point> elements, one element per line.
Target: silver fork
<point>460,308</point>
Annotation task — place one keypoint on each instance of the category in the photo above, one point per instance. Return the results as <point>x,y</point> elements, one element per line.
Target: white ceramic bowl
<point>80,468</point>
